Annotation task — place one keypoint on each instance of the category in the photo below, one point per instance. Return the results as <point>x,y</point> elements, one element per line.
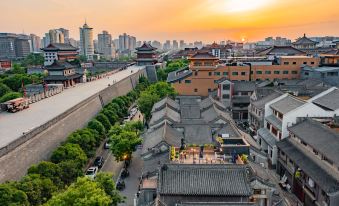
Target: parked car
<point>106,145</point>
<point>99,161</point>
<point>92,172</point>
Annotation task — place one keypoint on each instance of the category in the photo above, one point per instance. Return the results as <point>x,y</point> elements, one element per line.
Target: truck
<point>15,105</point>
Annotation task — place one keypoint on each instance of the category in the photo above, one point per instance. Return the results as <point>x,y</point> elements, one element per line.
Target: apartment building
<point>205,71</point>
<point>308,163</point>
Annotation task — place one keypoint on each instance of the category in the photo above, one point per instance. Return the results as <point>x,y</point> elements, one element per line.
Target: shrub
<point>69,151</point>
<point>9,96</point>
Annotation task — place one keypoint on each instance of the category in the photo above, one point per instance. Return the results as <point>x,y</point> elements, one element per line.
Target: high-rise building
<point>7,45</point>
<point>175,44</point>
<point>35,43</point>
<point>132,43</point>
<point>56,36</point>
<point>167,45</point>
<point>86,41</point>
<point>182,44</point>
<point>123,42</point>
<point>105,45</point>
<point>22,46</point>
<point>156,44</point>
<point>65,32</point>
<point>198,44</point>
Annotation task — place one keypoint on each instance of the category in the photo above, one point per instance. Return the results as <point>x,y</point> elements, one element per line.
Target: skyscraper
<point>56,36</point>
<point>175,44</point>
<point>65,32</point>
<point>7,45</point>
<point>22,46</point>
<point>105,45</point>
<point>35,43</point>
<point>182,44</point>
<point>86,42</point>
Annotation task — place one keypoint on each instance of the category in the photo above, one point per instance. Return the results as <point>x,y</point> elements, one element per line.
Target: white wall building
<point>285,110</point>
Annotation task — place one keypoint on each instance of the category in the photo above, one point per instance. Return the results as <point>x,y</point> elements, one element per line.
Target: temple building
<point>62,73</point>
<point>305,44</point>
<point>146,55</point>
<point>59,52</point>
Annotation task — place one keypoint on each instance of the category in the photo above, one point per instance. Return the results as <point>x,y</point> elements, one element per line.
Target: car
<point>99,161</point>
<point>106,145</point>
<point>91,173</point>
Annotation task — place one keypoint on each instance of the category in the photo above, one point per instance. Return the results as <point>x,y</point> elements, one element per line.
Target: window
<point>225,96</point>
<point>267,72</point>
<point>286,63</point>
<point>268,126</point>
<point>276,72</point>
<point>312,63</point>
<point>209,90</point>
<point>243,73</point>
<point>285,72</point>
<point>315,152</point>
<point>235,73</point>
<point>216,73</point>
<point>306,73</point>
<point>226,87</point>
<point>332,74</point>
<point>304,143</point>
<point>305,63</point>
<point>195,90</point>
<point>294,63</point>
<point>251,72</point>
<point>209,73</point>
<point>259,72</point>
<point>215,81</point>
<point>294,72</point>
<point>196,73</point>
<point>225,73</point>
<point>187,81</point>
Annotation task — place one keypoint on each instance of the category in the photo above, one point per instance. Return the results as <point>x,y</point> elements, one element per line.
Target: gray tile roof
<point>61,77</point>
<point>161,133</point>
<point>198,134</point>
<point>281,50</point>
<point>166,102</point>
<point>319,137</point>
<point>209,101</point>
<point>59,46</point>
<point>203,55</point>
<point>190,112</point>
<point>59,65</point>
<point>329,101</point>
<point>213,113</point>
<point>260,104</point>
<point>287,104</point>
<point>312,166</point>
<point>304,40</point>
<point>275,121</point>
<point>267,136</point>
<point>207,180</point>
<point>165,113</point>
<point>241,99</point>
<point>178,75</point>
<point>248,86</point>
<point>153,164</point>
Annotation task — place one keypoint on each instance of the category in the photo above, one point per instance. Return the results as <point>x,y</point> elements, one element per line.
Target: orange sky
<point>207,20</point>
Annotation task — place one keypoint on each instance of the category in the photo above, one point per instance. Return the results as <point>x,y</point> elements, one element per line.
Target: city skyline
<point>206,20</point>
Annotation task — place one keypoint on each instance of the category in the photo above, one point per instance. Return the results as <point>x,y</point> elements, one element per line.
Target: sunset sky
<point>207,20</point>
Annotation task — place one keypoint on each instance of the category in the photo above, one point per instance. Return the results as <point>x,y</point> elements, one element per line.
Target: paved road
<point>12,126</point>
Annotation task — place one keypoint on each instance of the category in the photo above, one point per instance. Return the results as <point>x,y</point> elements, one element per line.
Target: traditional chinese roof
<point>60,47</point>
<point>314,167</point>
<point>287,104</point>
<point>58,65</point>
<point>281,50</point>
<point>203,55</point>
<point>332,52</point>
<point>329,101</point>
<point>61,77</point>
<point>204,180</point>
<point>304,40</point>
<point>146,47</point>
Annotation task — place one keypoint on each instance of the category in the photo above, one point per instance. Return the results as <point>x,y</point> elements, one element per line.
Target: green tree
<point>70,171</point>
<point>85,139</point>
<point>82,192</point>
<point>48,170</point>
<point>146,102</point>
<point>123,144</point>
<point>111,115</point>
<point>38,189</point>
<point>104,121</point>
<point>9,96</point>
<point>106,183</point>
<point>134,126</point>
<point>97,126</point>
<point>69,151</point>
<point>162,89</point>
<point>4,89</point>
<point>11,196</point>
<point>33,60</point>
